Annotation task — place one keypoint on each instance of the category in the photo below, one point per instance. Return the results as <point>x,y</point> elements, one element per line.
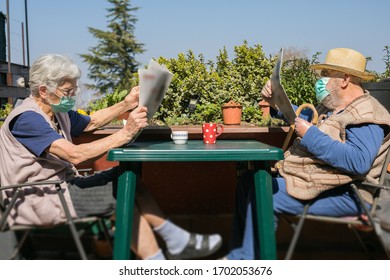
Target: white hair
<point>52,70</point>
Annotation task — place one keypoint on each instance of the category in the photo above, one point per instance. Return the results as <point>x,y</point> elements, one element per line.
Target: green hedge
<point>215,83</point>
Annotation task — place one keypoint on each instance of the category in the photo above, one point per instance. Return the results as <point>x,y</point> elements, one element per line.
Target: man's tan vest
<point>306,176</point>
<point>39,205</point>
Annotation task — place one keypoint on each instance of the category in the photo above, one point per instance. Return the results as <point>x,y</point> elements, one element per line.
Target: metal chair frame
<point>71,222</point>
<point>352,222</point>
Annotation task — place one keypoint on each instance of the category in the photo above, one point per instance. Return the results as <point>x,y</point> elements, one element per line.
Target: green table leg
<point>265,215</point>
<point>124,213</point>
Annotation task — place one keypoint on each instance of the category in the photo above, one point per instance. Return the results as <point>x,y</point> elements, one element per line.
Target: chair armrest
<point>84,171</point>
<point>48,182</point>
<point>378,186</point>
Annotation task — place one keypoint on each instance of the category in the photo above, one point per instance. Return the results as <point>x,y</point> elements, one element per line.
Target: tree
<point>112,62</point>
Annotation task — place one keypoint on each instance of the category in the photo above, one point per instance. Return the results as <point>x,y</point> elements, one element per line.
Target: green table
<point>131,157</point>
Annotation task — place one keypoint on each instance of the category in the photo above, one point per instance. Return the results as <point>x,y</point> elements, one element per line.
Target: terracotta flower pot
<point>265,108</point>
<point>231,113</point>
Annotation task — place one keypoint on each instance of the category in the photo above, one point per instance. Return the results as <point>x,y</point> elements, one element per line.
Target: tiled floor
<point>319,241</point>
<point>327,241</point>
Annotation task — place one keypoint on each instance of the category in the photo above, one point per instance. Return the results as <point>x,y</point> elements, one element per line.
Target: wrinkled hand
<point>266,94</point>
<point>132,98</point>
<point>301,126</point>
<point>137,120</point>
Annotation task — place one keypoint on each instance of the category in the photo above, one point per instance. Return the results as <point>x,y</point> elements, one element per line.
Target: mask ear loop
<point>48,99</point>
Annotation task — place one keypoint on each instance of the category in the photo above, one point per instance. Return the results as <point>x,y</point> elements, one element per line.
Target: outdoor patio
<point>181,192</point>
<point>319,241</point>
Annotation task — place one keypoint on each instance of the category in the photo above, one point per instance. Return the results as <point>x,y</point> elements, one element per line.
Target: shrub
<point>298,80</point>
<point>214,83</point>
<point>108,100</point>
<point>5,111</point>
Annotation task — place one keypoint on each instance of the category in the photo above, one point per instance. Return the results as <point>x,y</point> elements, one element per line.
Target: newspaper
<point>153,84</point>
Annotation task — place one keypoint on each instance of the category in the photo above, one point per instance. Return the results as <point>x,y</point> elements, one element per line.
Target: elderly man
<point>348,143</point>
<point>36,144</point>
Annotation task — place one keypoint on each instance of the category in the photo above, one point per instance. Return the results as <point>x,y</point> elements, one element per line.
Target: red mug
<point>210,132</point>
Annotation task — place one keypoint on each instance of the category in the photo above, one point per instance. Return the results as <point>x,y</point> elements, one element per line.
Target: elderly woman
<point>36,144</point>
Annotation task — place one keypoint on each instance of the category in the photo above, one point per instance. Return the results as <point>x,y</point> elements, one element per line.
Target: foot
<point>194,251</point>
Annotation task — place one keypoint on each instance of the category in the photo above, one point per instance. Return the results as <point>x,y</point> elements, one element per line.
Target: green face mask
<point>66,104</point>
<point>320,87</point>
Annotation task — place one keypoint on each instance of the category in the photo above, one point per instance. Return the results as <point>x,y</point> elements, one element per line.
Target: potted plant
<point>265,108</point>
<point>209,112</point>
<point>231,113</point>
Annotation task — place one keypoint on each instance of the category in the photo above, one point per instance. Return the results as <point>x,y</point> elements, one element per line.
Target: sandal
<point>191,252</point>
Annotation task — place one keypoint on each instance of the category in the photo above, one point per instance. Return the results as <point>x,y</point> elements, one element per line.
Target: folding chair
<point>366,221</point>
<point>26,229</point>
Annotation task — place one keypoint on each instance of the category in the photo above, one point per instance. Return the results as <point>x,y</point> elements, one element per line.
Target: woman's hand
<point>137,120</point>
<point>132,98</point>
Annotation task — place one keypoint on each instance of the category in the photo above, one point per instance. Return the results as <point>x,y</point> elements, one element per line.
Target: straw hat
<point>347,61</point>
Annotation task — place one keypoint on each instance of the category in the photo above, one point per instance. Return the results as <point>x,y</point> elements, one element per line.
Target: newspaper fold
<point>279,96</point>
<point>153,84</point>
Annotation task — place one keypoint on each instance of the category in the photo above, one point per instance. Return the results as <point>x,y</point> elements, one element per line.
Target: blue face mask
<point>66,104</point>
<point>320,88</point>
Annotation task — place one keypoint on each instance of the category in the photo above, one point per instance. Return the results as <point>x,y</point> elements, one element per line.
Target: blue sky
<point>169,27</point>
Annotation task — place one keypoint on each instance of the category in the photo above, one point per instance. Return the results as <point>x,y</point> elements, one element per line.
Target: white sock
<point>176,238</point>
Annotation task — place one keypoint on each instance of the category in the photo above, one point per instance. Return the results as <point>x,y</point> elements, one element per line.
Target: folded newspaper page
<point>153,84</point>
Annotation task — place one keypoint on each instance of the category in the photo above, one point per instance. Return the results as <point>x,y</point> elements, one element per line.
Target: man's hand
<point>301,126</point>
<point>132,98</point>
<point>266,94</point>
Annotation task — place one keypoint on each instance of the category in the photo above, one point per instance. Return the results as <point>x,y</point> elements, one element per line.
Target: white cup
<point>179,137</point>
